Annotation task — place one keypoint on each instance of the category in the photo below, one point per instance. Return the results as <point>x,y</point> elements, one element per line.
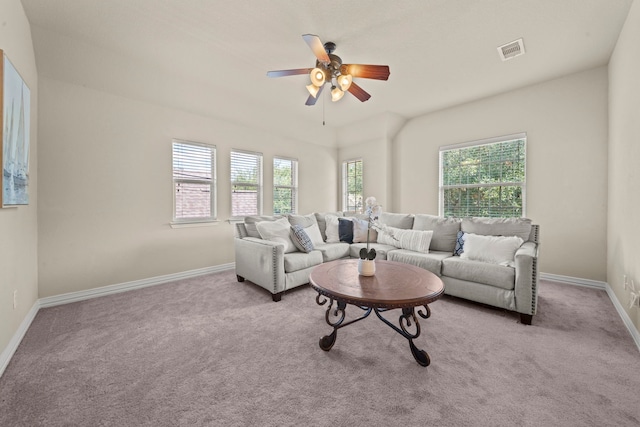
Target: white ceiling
<point>440,52</point>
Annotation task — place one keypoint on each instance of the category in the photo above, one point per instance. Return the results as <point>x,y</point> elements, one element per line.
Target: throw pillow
<point>322,223</point>
<point>413,240</point>
<point>278,231</point>
<point>345,230</point>
<point>460,238</point>
<point>301,239</point>
<point>332,229</point>
<point>303,220</point>
<point>360,227</point>
<point>314,234</point>
<point>493,249</point>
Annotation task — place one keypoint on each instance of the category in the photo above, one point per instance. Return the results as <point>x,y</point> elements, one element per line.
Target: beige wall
<point>18,226</point>
<point>566,125</point>
<point>623,249</point>
<point>106,190</point>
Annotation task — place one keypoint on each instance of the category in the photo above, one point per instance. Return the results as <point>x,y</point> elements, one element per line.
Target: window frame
<point>293,187</point>
<point>489,141</point>
<point>345,185</point>
<point>258,185</point>
<point>213,195</point>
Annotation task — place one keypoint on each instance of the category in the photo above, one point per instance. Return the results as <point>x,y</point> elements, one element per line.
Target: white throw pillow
<point>313,231</point>
<point>413,240</point>
<point>360,227</point>
<point>332,233</point>
<point>493,249</point>
<point>277,231</point>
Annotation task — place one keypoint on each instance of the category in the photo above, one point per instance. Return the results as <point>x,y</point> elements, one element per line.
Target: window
<point>194,181</point>
<point>285,186</point>
<point>352,185</point>
<point>246,183</point>
<point>484,178</point>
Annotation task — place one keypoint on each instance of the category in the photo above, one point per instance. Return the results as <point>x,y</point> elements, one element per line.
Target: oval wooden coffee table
<point>394,286</point>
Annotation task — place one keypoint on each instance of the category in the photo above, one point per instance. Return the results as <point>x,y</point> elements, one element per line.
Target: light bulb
<point>317,77</point>
<point>345,82</point>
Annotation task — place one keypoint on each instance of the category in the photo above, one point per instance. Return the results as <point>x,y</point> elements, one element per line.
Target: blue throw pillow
<point>345,230</point>
<point>301,239</point>
<point>460,238</point>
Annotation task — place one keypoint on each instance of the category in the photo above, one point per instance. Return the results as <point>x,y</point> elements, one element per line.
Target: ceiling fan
<point>329,69</point>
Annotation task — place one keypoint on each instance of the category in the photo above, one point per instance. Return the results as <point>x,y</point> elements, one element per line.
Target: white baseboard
<point>8,352</point>
<point>573,281</point>
<point>129,286</point>
<point>635,334</point>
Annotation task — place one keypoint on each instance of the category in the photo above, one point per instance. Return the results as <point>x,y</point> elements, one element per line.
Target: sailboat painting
<point>16,115</point>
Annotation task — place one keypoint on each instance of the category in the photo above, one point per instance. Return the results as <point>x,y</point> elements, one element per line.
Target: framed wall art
<point>15,125</point>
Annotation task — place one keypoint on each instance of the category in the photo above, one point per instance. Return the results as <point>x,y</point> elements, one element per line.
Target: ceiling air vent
<point>511,50</point>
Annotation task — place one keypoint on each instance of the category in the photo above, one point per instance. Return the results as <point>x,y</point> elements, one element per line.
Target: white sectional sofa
<point>488,260</point>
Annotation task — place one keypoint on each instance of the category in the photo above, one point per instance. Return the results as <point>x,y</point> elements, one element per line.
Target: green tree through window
<point>352,185</point>
<point>285,186</point>
<point>484,179</point>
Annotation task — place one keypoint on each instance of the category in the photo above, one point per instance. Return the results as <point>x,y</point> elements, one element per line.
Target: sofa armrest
<point>526,286</point>
<point>261,262</point>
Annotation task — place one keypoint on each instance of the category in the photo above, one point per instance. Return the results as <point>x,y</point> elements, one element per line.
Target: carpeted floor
<point>211,351</point>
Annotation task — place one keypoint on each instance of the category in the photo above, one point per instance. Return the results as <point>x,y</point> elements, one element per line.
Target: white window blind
<point>246,183</point>
<point>285,185</point>
<point>352,185</point>
<point>484,178</point>
<point>193,181</point>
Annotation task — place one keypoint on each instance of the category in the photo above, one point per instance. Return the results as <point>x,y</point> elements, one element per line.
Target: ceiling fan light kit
<point>329,69</point>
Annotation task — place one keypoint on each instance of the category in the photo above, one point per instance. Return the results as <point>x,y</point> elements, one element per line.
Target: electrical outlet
<point>625,282</point>
<point>15,299</point>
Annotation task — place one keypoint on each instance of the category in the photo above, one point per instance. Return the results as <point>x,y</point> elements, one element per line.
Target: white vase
<point>366,267</point>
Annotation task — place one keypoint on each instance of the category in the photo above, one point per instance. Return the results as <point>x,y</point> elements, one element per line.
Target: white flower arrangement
<point>372,210</point>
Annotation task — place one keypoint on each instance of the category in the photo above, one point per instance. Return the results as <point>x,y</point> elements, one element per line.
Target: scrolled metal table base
<point>408,321</point>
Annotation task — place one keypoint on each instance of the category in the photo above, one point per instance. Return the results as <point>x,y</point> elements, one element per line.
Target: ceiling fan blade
<point>378,72</point>
<point>311,100</point>
<point>283,73</point>
<point>358,92</point>
<point>317,47</point>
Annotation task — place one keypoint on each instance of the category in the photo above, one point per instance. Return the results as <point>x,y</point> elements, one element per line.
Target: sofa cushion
<point>295,261</point>
<point>492,249</point>
<point>520,227</point>
<point>397,220</point>
<point>431,261</point>
<point>278,231</point>
<point>322,225</point>
<point>445,230</point>
<point>301,239</point>
<point>303,220</point>
<point>479,272</point>
<point>333,251</point>
<point>251,221</point>
<point>381,249</point>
